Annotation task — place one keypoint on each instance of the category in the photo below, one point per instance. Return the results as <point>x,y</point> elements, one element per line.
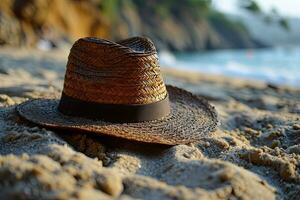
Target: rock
<point>27,22</point>
<point>30,22</point>
<point>10,30</point>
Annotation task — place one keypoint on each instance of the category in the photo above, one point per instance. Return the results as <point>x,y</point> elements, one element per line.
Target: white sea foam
<point>167,58</point>
<point>278,65</point>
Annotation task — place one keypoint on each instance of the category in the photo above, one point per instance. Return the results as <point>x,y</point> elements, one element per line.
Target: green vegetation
<point>273,17</point>
<point>251,6</point>
<point>284,23</point>
<point>196,8</point>
<point>109,8</point>
<point>163,8</point>
<point>219,18</point>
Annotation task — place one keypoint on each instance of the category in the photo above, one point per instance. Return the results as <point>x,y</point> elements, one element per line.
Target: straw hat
<point>117,89</point>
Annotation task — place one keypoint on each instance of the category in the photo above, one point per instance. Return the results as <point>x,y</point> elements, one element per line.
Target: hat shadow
<point>110,143</point>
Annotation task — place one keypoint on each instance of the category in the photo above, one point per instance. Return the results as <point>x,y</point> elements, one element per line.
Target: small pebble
<point>296,127</point>
<point>207,144</point>
<point>6,99</point>
<point>186,155</point>
<point>275,143</point>
<point>269,126</point>
<point>273,135</point>
<point>251,131</point>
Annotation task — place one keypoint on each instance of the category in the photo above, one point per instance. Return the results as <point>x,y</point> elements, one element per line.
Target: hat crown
<point>125,72</point>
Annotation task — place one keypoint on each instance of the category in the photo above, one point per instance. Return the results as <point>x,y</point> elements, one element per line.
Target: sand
<point>255,153</point>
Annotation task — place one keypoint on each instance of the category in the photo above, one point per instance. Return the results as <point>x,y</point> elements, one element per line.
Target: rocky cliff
<point>176,26</point>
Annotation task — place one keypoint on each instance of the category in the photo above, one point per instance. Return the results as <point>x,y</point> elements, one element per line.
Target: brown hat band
<point>114,112</point>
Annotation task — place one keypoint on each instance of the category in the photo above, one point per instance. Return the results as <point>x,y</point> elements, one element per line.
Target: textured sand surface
<point>255,154</point>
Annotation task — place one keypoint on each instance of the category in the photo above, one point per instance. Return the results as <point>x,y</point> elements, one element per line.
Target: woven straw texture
<point>126,72</point>
<point>190,120</point>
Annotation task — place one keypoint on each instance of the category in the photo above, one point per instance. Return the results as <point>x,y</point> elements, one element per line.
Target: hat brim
<point>191,119</point>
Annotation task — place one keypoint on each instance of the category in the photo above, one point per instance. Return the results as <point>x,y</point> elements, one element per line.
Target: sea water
<point>277,65</point>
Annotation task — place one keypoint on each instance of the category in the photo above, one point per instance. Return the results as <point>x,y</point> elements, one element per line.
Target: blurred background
<point>250,39</point>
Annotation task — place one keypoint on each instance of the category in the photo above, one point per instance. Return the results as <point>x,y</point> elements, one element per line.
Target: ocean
<point>278,65</point>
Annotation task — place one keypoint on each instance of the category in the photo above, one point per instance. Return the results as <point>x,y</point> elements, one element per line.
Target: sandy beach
<point>255,153</point>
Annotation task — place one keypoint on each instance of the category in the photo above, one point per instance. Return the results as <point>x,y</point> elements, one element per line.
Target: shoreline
<point>194,76</point>
<point>277,66</point>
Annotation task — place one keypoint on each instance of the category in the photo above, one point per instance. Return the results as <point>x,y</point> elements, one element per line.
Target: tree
<point>273,16</point>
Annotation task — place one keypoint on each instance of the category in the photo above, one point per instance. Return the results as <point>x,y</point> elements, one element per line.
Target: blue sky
<point>288,8</point>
